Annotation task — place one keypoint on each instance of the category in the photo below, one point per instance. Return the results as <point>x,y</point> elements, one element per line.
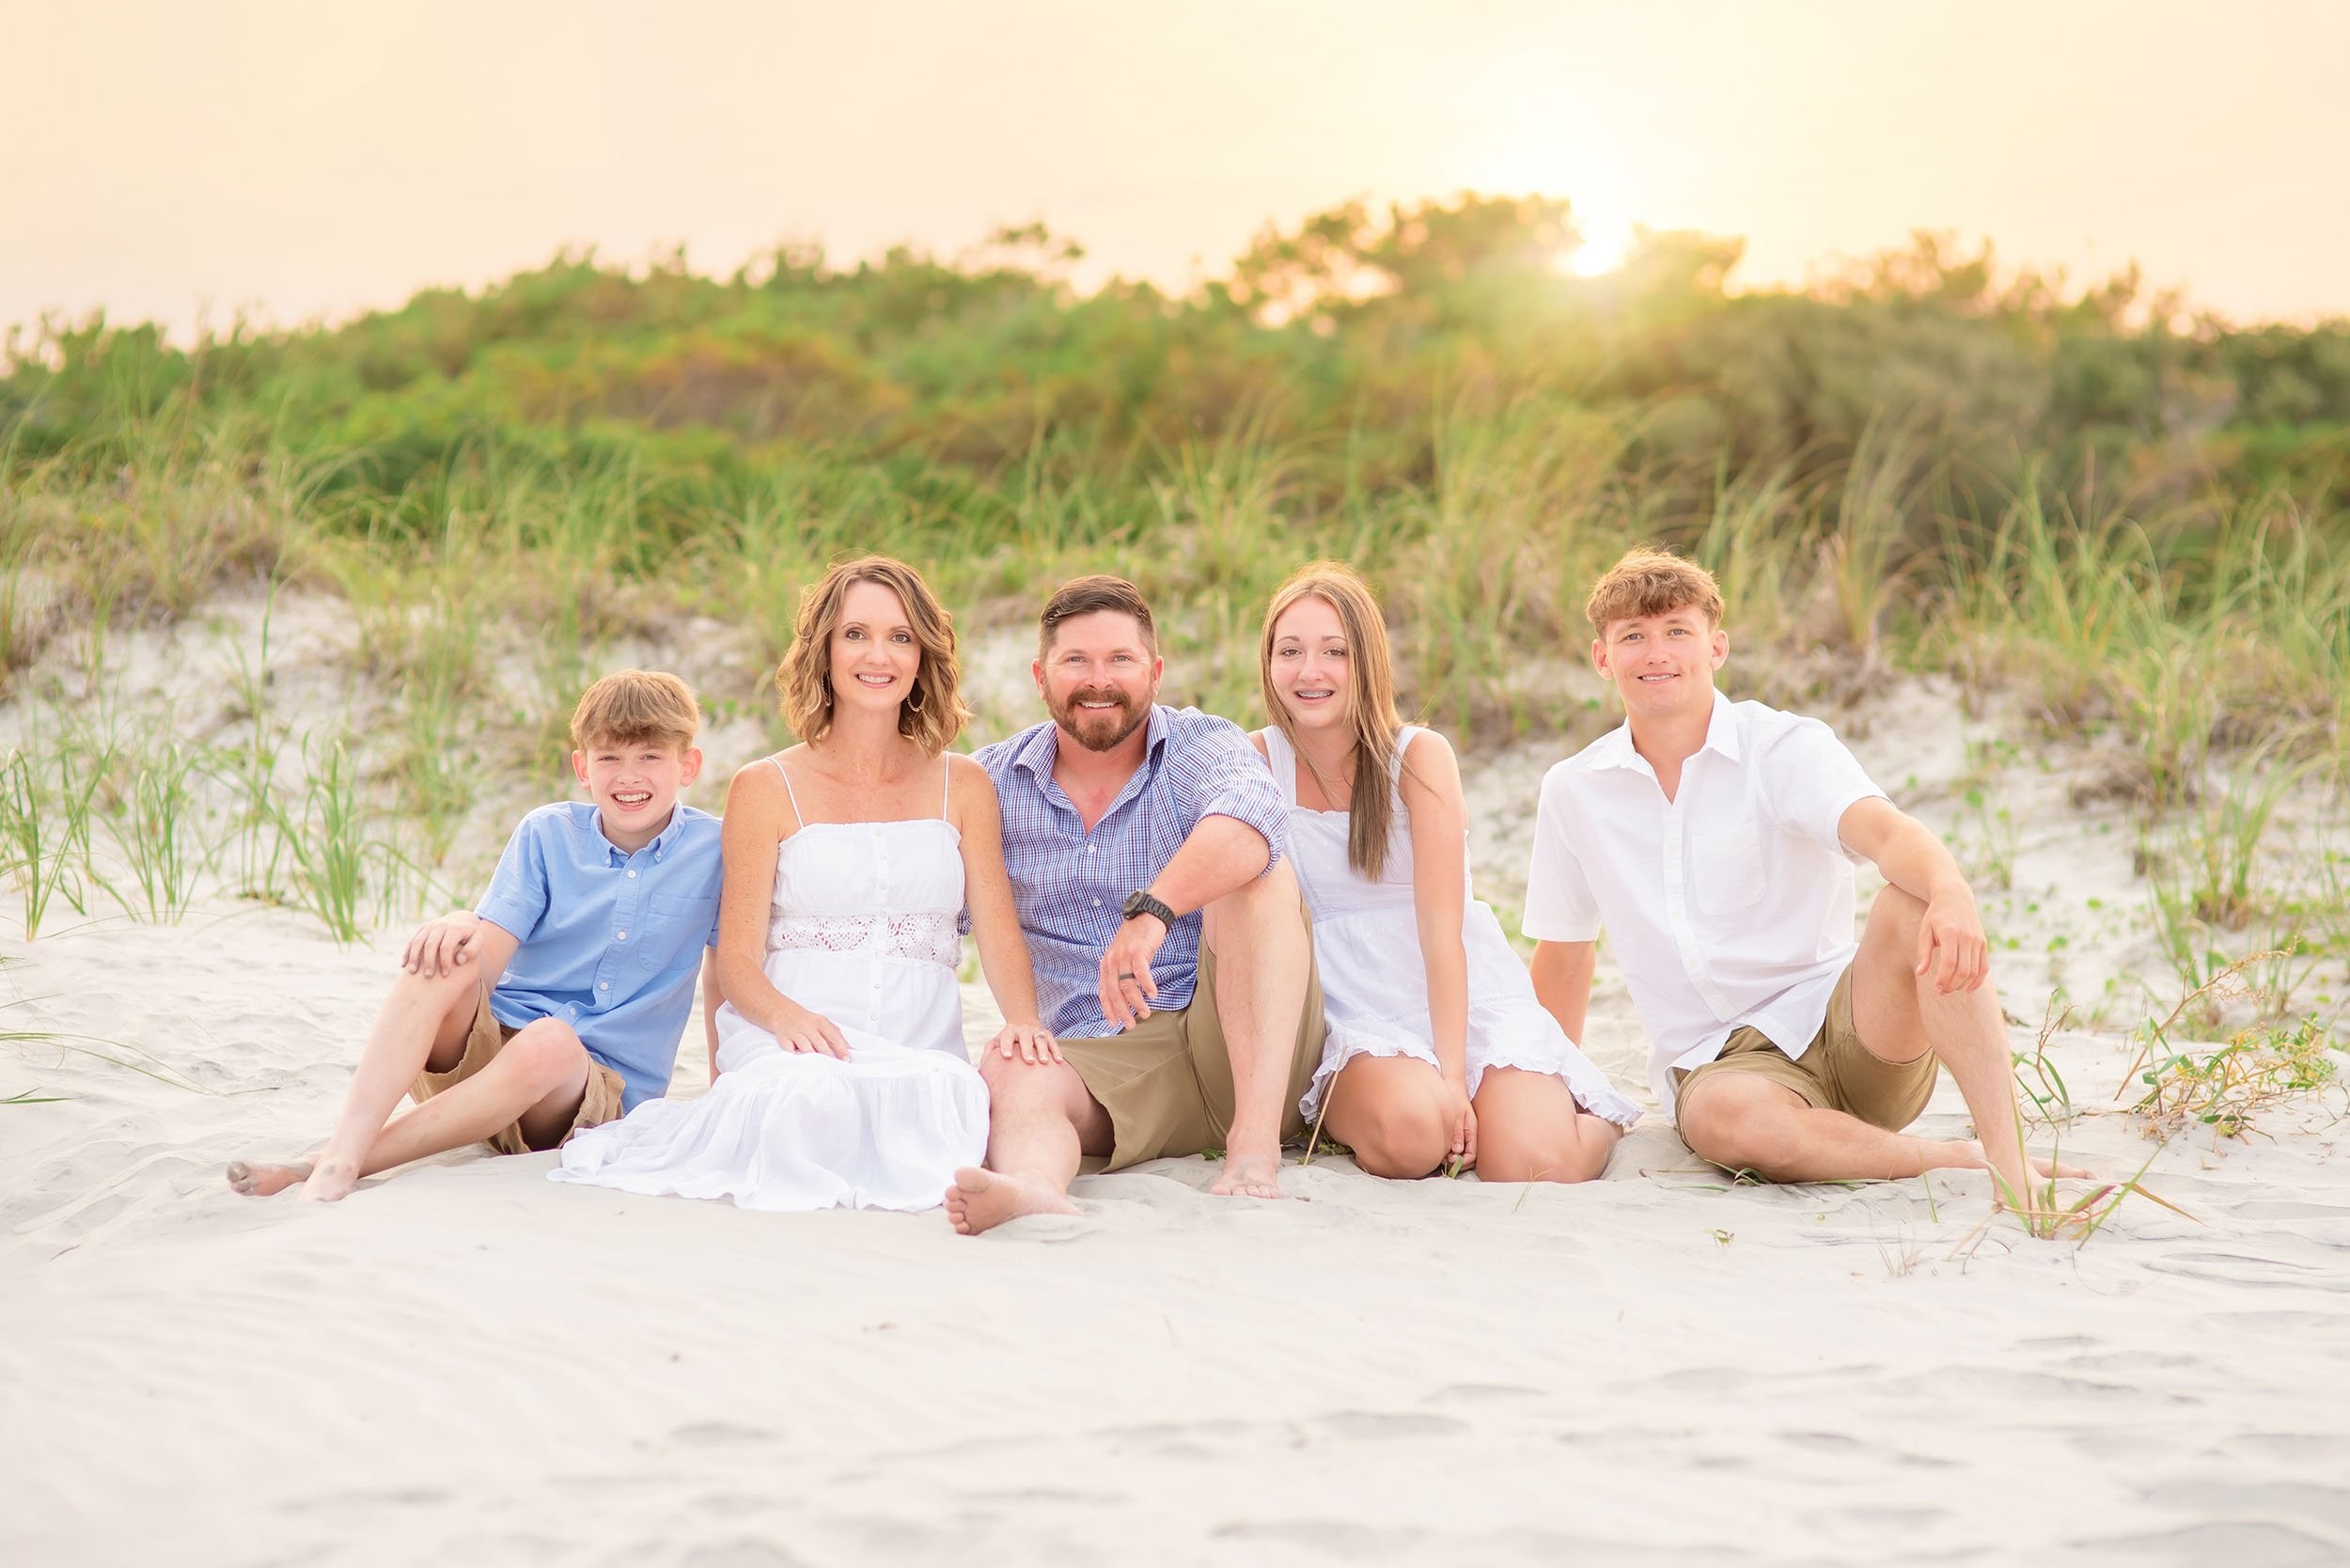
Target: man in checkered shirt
<point>1174,962</point>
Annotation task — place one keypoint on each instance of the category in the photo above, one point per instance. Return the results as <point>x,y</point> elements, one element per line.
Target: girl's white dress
<point>1374,983</point>
<point>863,930</point>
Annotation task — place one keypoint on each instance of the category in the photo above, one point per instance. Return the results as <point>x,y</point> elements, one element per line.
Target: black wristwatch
<point>1139,901</point>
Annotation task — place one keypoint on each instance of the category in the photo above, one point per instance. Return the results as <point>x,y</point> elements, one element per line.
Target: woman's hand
<point>1030,1043</point>
<point>1462,1116</point>
<point>798,1030</point>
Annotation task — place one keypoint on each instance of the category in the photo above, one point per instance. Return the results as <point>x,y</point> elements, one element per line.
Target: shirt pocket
<point>678,923</point>
<point>1726,866</point>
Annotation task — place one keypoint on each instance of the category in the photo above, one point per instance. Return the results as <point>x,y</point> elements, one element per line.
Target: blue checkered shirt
<point>1067,883</point>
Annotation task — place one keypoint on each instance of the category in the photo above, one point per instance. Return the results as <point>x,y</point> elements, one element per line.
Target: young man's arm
<point>1950,940</point>
<point>1562,982</point>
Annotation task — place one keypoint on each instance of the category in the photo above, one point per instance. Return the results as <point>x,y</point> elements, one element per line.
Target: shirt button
<point>604,985</point>
<point>1090,848</point>
<point>631,873</point>
<point>1097,903</point>
<point>620,937</point>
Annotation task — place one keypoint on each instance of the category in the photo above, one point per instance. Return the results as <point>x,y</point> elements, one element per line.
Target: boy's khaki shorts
<point>599,1104</point>
<point>1836,1073</point>
<point>1167,1081</point>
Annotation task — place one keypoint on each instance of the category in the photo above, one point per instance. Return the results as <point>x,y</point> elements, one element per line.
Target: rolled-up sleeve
<point>1560,905</point>
<point>517,899</point>
<point>1216,773</point>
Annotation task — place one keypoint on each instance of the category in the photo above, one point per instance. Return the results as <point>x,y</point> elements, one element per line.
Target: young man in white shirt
<point>1715,841</point>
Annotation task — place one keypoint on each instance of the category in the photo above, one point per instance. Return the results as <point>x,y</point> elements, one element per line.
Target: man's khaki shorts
<point>1167,1081</point>
<point>1836,1073</point>
<point>601,1103</point>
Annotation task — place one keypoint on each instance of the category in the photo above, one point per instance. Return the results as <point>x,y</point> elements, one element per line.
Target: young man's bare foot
<point>982,1199</point>
<point>1249,1176</point>
<point>266,1177</point>
<point>331,1180</point>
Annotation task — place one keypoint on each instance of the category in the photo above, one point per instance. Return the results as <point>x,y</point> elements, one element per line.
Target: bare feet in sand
<point>1249,1176</point>
<point>982,1199</point>
<point>266,1177</point>
<point>329,1182</point>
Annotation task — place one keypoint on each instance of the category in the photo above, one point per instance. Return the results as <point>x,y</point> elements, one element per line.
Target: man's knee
<point>1896,916</point>
<point>1259,899</point>
<point>1740,1127</point>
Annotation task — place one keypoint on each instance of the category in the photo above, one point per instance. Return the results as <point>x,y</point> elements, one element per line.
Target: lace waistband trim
<point>928,938</point>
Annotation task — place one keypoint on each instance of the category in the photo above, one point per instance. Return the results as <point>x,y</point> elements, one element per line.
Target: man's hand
<point>799,1029</point>
<point>440,945</point>
<point>1950,942</point>
<point>1463,1117</point>
<point>1127,989</point>
<point>1030,1043</point>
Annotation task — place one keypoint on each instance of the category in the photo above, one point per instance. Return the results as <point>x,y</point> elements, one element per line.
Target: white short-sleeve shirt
<point>1729,905</point>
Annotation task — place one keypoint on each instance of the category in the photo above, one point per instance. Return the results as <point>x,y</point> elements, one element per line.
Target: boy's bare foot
<point>1249,1176</point>
<point>266,1177</point>
<point>330,1181</point>
<point>982,1199</point>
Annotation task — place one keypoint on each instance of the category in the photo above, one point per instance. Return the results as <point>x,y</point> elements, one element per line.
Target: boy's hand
<point>440,945</point>
<point>1030,1043</point>
<point>799,1029</point>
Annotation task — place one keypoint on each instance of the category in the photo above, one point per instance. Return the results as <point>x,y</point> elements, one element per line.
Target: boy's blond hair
<point>1650,583</point>
<point>632,707</point>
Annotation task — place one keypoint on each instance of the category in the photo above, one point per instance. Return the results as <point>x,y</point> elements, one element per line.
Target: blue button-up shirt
<point>1067,883</point>
<point>610,942</point>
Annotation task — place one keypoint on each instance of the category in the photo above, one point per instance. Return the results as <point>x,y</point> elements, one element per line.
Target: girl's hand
<point>1464,1119</point>
<point>1030,1043</point>
<point>798,1030</point>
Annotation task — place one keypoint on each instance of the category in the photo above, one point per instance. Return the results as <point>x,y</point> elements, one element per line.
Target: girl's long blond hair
<point>1369,703</point>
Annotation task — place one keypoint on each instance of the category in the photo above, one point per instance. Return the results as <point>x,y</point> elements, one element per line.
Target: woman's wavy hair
<point>1370,701</point>
<point>933,714</point>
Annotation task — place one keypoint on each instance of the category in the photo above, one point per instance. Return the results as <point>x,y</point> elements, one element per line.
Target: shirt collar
<point>1038,753</point>
<point>615,856</point>
<point>1615,749</point>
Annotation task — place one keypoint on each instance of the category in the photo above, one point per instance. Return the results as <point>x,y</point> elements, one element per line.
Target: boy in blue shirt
<point>557,1003</point>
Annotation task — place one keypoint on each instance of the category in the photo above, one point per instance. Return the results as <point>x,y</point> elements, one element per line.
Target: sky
<point>178,162</point>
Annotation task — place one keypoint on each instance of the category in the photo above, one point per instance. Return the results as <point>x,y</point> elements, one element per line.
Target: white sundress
<point>1374,983</point>
<point>863,930</point>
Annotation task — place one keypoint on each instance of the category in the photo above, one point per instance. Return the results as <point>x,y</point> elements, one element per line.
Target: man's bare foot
<point>982,1199</point>
<point>266,1177</point>
<point>1249,1176</point>
<point>330,1181</point>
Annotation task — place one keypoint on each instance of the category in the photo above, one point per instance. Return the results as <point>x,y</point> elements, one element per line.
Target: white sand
<point>468,1362</point>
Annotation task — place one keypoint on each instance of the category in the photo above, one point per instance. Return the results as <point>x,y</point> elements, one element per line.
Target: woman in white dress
<point>1437,1052</point>
<point>841,1075</point>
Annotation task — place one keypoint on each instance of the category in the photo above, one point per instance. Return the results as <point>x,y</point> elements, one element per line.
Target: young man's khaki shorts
<point>599,1104</point>
<point>1836,1073</point>
<point>1167,1081</point>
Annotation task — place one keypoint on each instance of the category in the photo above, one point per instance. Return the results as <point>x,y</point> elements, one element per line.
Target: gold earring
<point>914,703</point>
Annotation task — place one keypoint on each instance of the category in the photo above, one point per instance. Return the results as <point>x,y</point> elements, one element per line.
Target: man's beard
<point>1101,729</point>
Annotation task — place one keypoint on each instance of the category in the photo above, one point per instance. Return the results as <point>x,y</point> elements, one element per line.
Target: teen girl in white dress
<point>841,1075</point>
<point>1437,1050</point>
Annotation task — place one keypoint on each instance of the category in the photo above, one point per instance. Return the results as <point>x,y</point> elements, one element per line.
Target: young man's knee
<point>1740,1133</point>
<point>1898,915</point>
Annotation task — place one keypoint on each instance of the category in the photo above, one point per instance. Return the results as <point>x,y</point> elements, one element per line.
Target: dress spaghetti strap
<point>798,821</point>
<point>1403,738</point>
<point>947,790</point>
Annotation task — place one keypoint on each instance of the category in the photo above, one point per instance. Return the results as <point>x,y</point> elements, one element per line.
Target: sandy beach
<point>467,1361</point>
